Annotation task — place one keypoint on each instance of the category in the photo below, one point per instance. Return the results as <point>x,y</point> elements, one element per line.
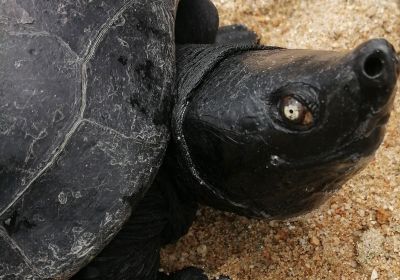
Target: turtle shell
<point>85,88</point>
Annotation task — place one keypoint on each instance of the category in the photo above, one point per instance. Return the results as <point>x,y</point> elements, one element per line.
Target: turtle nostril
<point>376,66</point>
<point>373,66</point>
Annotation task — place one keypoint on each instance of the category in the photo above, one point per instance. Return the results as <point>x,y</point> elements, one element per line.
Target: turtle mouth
<point>361,143</point>
<point>365,140</point>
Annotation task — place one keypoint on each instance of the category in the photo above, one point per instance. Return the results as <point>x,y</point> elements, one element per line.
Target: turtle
<point>118,118</point>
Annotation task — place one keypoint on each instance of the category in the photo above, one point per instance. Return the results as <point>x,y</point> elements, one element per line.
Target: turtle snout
<point>376,65</point>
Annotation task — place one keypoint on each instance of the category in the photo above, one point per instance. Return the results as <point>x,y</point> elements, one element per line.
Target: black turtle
<point>89,96</point>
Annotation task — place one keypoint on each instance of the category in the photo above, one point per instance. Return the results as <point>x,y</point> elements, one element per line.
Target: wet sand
<point>356,235</point>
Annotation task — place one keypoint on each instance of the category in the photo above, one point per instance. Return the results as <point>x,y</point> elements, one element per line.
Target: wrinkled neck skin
<point>194,63</point>
<point>237,151</point>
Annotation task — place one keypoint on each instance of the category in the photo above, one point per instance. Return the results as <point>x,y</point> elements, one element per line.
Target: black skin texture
<point>233,130</point>
<point>252,160</point>
<point>232,147</point>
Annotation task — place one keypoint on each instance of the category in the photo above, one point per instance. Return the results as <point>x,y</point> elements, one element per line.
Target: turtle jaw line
<point>350,163</point>
<point>346,153</point>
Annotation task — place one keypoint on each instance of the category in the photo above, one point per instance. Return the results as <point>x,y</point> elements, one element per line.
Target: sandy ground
<point>356,235</point>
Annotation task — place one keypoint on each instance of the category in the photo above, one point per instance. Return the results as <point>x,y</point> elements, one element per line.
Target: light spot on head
<point>276,160</point>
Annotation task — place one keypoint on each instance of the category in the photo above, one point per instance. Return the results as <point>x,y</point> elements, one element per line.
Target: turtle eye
<point>294,111</point>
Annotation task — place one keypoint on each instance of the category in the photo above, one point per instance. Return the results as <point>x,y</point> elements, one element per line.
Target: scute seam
<point>47,34</point>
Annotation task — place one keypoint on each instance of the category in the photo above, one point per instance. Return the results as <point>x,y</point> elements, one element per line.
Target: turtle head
<point>275,133</point>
